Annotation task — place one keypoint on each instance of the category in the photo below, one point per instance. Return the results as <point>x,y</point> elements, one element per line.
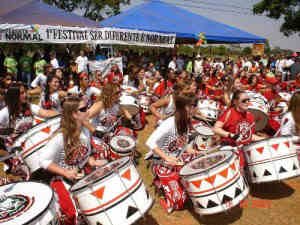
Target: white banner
<point>59,34</point>
<point>105,66</point>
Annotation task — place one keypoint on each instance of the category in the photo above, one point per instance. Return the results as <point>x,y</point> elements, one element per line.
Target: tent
<point>163,17</point>
<point>36,12</point>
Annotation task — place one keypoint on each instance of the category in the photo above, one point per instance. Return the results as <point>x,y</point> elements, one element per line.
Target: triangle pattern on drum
<point>275,146</point>
<point>267,173</point>
<point>200,206</point>
<point>224,173</point>
<point>127,174</point>
<point>237,192</point>
<point>99,193</point>
<point>130,211</point>
<point>196,183</point>
<point>226,199</point>
<point>260,150</point>
<point>287,144</point>
<point>295,167</point>
<point>232,166</point>
<point>211,204</point>
<point>46,130</point>
<point>254,174</point>
<point>282,170</point>
<point>211,179</point>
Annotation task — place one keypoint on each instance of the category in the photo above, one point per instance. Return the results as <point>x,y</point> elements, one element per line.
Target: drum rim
<point>114,150</point>
<point>126,161</point>
<point>33,127</point>
<point>196,172</point>
<point>264,140</point>
<point>200,125</point>
<point>50,202</point>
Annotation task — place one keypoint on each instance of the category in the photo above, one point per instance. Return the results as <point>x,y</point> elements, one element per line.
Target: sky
<point>237,13</point>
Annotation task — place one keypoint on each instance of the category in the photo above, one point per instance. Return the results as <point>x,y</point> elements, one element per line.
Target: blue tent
<point>166,18</point>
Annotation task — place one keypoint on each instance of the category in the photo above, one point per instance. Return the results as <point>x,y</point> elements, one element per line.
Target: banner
<point>105,66</point>
<point>60,34</point>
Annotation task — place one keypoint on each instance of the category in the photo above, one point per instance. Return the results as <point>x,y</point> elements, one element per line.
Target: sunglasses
<point>83,109</point>
<point>245,100</point>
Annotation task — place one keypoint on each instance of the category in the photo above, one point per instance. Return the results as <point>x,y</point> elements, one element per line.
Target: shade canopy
<point>167,18</point>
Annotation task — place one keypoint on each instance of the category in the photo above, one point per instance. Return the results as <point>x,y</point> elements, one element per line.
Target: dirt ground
<point>275,203</point>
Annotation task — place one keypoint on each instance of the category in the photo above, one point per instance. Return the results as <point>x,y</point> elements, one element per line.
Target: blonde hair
<point>68,124</point>
<point>294,108</point>
<point>108,92</point>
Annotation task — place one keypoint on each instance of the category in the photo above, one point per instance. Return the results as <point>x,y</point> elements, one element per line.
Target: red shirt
<point>238,123</point>
<point>160,90</point>
<point>113,77</point>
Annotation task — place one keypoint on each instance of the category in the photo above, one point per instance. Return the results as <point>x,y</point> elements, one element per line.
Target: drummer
<point>67,152</point>
<point>167,143</point>
<point>236,125</point>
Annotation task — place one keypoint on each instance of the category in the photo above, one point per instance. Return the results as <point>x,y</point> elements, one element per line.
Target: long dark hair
<point>50,77</point>
<point>12,101</point>
<point>236,96</point>
<point>182,119</point>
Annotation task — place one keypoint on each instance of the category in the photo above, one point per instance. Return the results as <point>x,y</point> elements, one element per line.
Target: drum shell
<point>218,188</point>
<point>145,101</point>
<point>34,140</point>
<point>209,108</point>
<point>43,208</point>
<point>121,189</point>
<point>118,152</point>
<point>129,103</point>
<point>271,160</point>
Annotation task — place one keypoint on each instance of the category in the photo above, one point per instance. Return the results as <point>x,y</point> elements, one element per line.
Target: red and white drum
<point>209,108</point>
<point>204,139</point>
<point>122,146</point>
<point>129,90</point>
<point>214,182</point>
<point>129,103</point>
<point>272,159</point>
<point>113,194</point>
<point>37,120</point>
<point>29,203</point>
<point>145,102</point>
<point>33,141</point>
<point>101,150</point>
<point>259,107</point>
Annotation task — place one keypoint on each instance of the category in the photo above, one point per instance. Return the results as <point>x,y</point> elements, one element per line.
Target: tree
<point>94,9</point>
<point>289,9</point>
<point>247,51</point>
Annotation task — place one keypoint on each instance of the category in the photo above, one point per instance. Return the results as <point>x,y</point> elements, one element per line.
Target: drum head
<point>122,143</point>
<point>129,89</point>
<point>25,202</point>
<point>204,130</point>
<point>205,163</point>
<point>261,119</point>
<point>100,173</point>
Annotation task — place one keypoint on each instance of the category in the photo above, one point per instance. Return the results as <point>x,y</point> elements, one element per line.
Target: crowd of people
<point>173,89</point>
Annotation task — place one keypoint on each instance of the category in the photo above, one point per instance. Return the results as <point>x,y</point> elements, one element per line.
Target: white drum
<point>129,103</point>
<point>259,107</point>
<point>37,120</point>
<point>129,89</point>
<point>209,108</point>
<point>122,146</point>
<point>29,203</point>
<point>285,96</point>
<point>113,194</point>
<point>33,141</point>
<point>204,139</point>
<point>145,102</point>
<point>214,182</point>
<point>272,159</point>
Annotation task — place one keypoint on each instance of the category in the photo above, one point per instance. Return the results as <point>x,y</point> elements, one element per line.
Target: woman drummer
<point>67,152</point>
<point>167,143</point>
<point>290,123</point>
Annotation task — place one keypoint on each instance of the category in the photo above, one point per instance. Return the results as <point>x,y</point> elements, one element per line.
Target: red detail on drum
<point>275,146</point>
<point>224,173</point>
<point>46,130</point>
<point>260,150</point>
<point>287,144</point>
<point>249,153</point>
<point>232,166</point>
<point>127,175</point>
<point>99,193</point>
<point>196,183</point>
<point>211,179</point>
<point>38,121</point>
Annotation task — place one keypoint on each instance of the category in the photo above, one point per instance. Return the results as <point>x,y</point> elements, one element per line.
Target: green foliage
<point>94,9</point>
<point>247,51</point>
<point>289,9</point>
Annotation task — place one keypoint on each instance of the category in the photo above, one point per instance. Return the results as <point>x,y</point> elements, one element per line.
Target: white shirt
<point>54,98</point>
<point>198,68</point>
<point>39,81</point>
<point>287,126</point>
<point>172,65</point>
<point>54,63</point>
<point>90,91</point>
<point>82,63</point>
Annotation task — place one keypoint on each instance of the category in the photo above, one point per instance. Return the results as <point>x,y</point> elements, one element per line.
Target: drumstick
<point>7,157</point>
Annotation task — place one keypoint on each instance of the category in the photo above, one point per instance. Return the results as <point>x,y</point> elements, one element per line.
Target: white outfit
<point>198,68</point>
<point>54,150</point>
<point>172,65</point>
<point>54,63</point>
<point>90,91</point>
<point>55,101</point>
<point>39,81</point>
<point>82,63</point>
<point>288,126</point>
